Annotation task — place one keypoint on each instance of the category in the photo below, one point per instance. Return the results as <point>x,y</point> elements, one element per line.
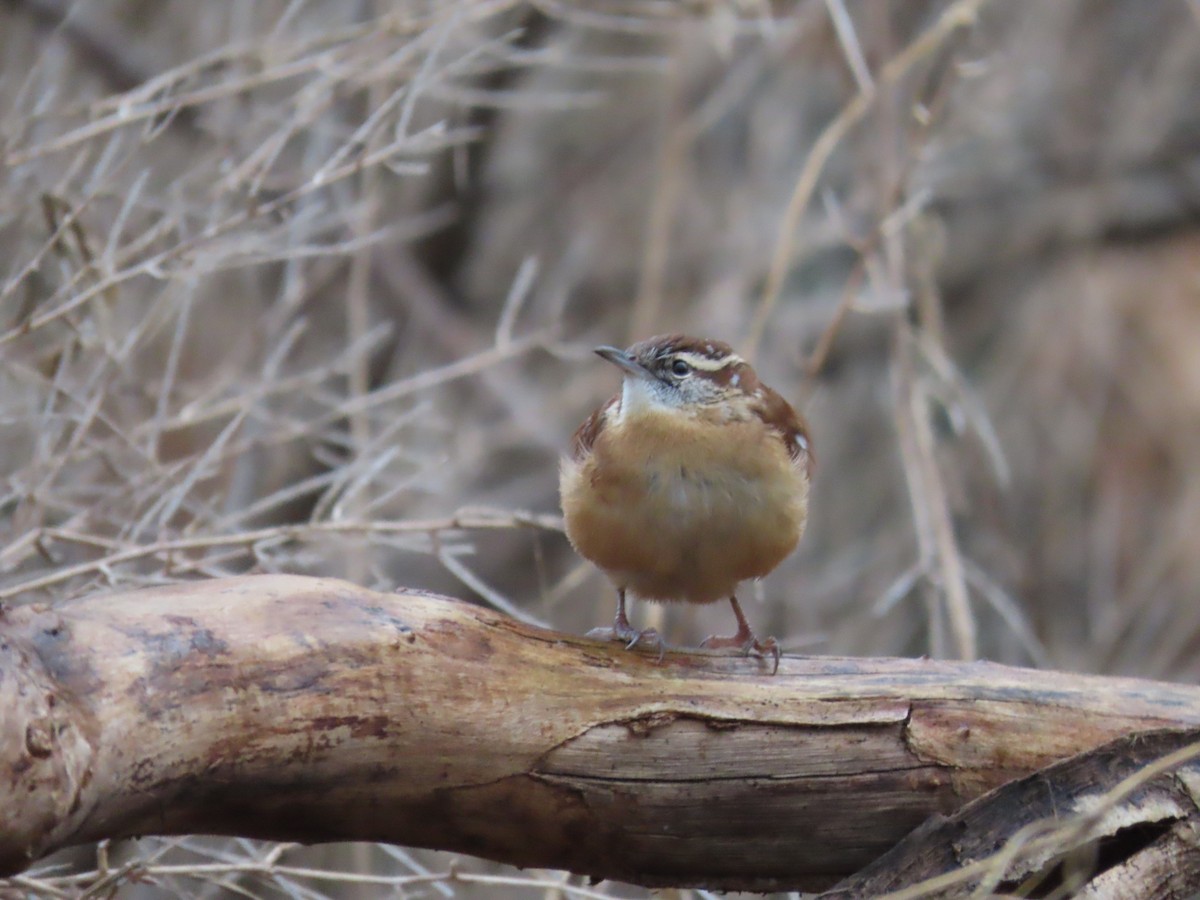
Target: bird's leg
<point>745,640</point>
<point>622,631</point>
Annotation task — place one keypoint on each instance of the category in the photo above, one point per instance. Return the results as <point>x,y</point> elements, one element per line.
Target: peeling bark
<point>310,709</point>
<point>1061,824</point>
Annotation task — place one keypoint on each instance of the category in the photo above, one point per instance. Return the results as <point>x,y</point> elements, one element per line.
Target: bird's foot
<point>747,643</point>
<point>631,637</point>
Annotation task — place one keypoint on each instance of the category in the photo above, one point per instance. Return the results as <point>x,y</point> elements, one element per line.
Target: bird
<point>691,479</point>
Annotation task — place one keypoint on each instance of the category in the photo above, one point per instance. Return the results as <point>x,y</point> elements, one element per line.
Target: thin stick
<point>960,15</point>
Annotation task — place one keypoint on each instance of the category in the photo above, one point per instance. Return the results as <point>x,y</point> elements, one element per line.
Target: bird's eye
<point>680,368</point>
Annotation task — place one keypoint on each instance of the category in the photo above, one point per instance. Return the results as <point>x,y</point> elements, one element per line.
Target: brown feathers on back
<point>778,415</point>
<point>585,436</point>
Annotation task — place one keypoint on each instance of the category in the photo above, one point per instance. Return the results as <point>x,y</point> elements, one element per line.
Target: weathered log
<point>313,710</point>
<point>1106,820</point>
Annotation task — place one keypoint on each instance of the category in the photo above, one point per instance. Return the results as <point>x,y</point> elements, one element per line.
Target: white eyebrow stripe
<point>708,364</point>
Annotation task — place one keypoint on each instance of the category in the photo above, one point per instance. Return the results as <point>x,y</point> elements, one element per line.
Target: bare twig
<point>961,14</point>
<point>466,520</point>
<point>938,545</point>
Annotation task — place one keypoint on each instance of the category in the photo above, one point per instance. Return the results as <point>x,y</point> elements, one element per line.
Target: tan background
<point>266,265</point>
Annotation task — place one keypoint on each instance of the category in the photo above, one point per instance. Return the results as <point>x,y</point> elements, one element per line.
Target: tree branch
<point>1117,821</point>
<point>310,709</point>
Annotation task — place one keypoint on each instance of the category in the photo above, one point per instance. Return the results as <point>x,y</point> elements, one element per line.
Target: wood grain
<point>309,709</point>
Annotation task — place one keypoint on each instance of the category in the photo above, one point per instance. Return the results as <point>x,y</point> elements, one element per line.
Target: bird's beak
<point>624,362</point>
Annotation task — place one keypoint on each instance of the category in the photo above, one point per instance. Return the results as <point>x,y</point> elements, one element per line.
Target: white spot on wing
<point>736,380</point>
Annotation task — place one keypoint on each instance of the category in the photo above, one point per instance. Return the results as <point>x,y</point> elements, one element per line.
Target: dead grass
<point>311,287</point>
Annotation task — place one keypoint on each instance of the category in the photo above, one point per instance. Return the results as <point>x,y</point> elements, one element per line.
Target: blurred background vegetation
<point>312,287</point>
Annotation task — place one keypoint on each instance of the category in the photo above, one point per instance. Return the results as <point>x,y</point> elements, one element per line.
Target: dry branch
<point>313,710</point>
<point>1118,821</point>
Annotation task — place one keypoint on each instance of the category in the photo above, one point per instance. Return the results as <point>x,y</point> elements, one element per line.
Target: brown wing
<point>779,416</point>
<point>586,434</point>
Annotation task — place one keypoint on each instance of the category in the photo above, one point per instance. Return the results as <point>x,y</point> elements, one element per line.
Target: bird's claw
<point>747,644</point>
<point>631,637</point>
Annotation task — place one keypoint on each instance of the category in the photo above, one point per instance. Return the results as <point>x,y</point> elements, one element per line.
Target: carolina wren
<point>690,480</point>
